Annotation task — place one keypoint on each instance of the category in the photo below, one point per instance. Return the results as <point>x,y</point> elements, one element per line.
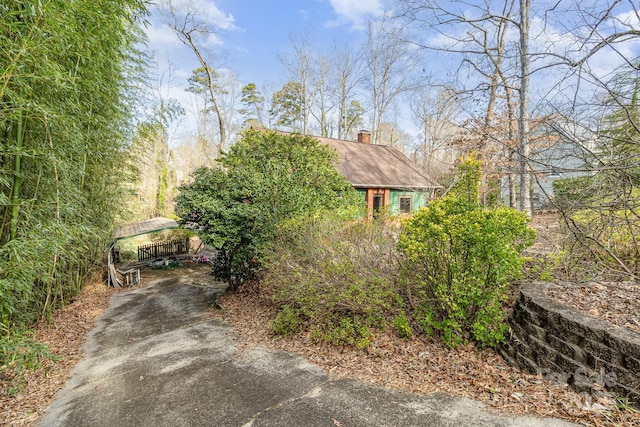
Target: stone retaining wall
<point>590,354</point>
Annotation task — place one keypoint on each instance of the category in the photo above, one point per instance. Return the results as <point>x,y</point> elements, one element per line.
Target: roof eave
<point>398,187</point>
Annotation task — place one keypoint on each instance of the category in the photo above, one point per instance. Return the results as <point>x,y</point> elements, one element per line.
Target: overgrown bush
<point>603,243</point>
<point>460,261</point>
<point>601,223</point>
<point>334,278</point>
<point>266,179</point>
<point>601,212</point>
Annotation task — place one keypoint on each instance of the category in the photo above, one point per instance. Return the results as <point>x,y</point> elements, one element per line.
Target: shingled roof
<point>378,166</point>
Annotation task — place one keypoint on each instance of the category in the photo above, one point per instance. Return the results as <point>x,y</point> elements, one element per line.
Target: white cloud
<point>161,35</point>
<point>629,20</point>
<point>356,12</point>
<point>205,11</point>
<point>204,16</point>
<point>212,39</point>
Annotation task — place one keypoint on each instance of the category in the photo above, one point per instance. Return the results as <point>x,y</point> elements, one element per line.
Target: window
<point>405,204</point>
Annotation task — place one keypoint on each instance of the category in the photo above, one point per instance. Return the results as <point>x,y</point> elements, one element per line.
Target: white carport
<point>132,276</point>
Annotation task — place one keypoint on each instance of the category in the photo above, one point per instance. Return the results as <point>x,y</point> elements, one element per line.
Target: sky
<point>251,35</point>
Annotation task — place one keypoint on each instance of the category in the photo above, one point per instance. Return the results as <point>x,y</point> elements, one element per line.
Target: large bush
<point>266,180</point>
<point>460,260</point>
<point>334,278</point>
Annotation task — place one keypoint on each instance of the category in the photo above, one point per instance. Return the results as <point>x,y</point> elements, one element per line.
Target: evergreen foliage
<point>264,181</point>
<point>287,106</point>
<point>65,84</point>
<point>253,101</point>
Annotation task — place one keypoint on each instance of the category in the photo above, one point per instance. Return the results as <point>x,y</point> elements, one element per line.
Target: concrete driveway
<point>155,360</point>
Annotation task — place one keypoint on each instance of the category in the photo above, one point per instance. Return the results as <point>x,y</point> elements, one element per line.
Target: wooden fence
<point>163,249</point>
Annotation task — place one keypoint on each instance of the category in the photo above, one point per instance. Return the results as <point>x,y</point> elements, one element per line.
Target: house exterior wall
<point>562,159</point>
<point>370,195</point>
<point>419,199</point>
<point>391,199</point>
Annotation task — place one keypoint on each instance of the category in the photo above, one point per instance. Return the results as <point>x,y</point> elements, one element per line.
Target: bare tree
<point>206,129</point>
<point>434,110</point>
<point>150,154</point>
<point>192,29</point>
<point>390,67</point>
<point>320,83</point>
<point>478,33</point>
<point>300,65</point>
<point>348,75</point>
<point>229,100</point>
<point>392,135</point>
<point>524,149</point>
<point>599,203</point>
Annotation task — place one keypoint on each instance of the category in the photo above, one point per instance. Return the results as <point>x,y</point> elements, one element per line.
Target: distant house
<point>560,151</point>
<point>384,176</point>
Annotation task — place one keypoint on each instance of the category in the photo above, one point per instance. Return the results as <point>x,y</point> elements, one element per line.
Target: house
<point>384,176</point>
<point>560,150</point>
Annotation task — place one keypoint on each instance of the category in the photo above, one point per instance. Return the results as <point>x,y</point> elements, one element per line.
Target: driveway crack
<point>314,392</point>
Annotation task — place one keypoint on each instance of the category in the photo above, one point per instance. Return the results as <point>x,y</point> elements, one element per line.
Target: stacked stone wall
<point>564,345</point>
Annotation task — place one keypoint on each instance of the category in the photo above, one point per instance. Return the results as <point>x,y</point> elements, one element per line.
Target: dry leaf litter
<point>413,365</point>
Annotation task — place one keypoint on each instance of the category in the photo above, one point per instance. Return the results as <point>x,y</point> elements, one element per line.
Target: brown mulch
<point>616,302</point>
<point>423,366</point>
<point>412,365</point>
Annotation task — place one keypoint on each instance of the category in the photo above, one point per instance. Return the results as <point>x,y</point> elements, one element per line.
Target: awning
<point>131,230</point>
<point>144,227</point>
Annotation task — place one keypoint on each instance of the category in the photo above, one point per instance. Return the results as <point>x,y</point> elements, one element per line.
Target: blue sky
<point>252,33</point>
<point>263,29</point>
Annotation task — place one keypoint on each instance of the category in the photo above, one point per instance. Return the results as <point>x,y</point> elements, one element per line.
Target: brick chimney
<point>364,136</point>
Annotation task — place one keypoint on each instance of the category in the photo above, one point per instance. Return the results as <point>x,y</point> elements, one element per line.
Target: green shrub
<point>339,276</point>
<point>264,181</point>
<point>401,324</point>
<point>344,331</point>
<point>459,261</point>
<point>287,322</point>
<point>547,267</point>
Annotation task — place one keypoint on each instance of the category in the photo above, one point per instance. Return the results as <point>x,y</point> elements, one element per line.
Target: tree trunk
<point>212,92</point>
<point>524,148</point>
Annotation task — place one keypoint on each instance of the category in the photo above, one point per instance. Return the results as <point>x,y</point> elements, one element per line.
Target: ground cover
<point>415,365</point>
<point>424,366</point>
